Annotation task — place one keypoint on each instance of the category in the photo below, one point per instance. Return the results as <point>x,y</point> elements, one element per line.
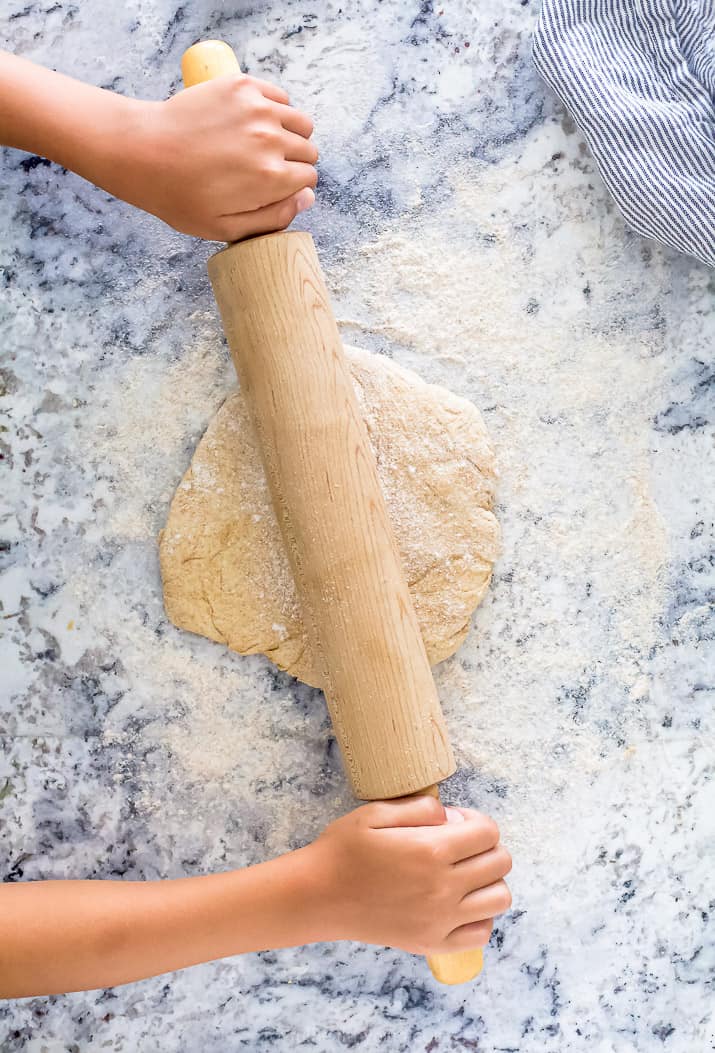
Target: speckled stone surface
<point>465,232</point>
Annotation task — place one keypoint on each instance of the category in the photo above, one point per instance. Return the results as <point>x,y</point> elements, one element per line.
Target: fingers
<point>479,910</point>
<point>282,179</point>
<point>294,120</point>
<point>468,937</point>
<point>296,148</point>
<point>267,219</point>
<point>486,902</point>
<point>404,811</point>
<point>270,91</point>
<point>482,870</point>
<point>478,833</point>
<point>296,175</point>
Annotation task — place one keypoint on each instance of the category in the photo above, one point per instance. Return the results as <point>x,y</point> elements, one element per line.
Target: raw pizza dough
<point>226,573</point>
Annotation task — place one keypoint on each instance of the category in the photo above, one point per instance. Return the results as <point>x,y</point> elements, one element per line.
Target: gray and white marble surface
<point>465,232</point>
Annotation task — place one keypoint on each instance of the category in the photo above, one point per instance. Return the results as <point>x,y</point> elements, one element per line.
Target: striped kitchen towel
<point>639,79</point>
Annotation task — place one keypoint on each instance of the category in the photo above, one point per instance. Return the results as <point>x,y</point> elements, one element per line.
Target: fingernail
<point>454,815</point>
<point>304,199</point>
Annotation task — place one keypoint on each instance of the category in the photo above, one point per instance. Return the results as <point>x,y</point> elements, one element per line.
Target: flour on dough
<point>226,573</point>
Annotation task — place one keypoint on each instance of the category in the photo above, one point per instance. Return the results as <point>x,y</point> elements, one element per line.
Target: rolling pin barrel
<point>323,478</point>
<point>324,485</point>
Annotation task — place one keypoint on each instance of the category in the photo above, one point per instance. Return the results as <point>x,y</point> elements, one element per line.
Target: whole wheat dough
<point>226,573</point>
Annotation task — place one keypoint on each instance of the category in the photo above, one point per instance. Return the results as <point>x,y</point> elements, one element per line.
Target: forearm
<point>58,936</point>
<point>225,160</point>
<point>77,125</point>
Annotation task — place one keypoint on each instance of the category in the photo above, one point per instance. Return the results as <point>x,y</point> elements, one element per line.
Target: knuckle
<point>271,169</point>
<point>240,92</point>
<point>234,82</point>
<point>264,133</point>
<point>431,806</point>
<point>262,107</point>
<point>240,84</point>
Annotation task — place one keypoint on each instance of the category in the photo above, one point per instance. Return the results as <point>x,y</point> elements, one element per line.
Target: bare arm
<point>50,114</point>
<point>58,936</point>
<point>222,160</point>
<point>388,873</point>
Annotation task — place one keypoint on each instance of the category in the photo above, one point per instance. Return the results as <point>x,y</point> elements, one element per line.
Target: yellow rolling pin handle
<point>206,60</point>
<point>201,62</point>
<point>459,967</point>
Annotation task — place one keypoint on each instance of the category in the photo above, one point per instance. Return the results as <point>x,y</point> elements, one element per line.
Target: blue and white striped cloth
<point>639,79</point>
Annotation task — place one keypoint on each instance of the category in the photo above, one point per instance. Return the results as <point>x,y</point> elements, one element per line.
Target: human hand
<point>411,874</point>
<point>392,873</point>
<point>222,160</point>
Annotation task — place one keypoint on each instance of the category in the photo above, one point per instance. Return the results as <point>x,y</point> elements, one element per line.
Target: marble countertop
<point>465,232</point>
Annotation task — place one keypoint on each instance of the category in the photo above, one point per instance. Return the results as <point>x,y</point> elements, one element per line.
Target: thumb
<point>267,219</point>
<point>405,811</point>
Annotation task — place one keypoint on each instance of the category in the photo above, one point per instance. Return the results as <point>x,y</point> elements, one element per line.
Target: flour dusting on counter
<point>142,412</point>
<point>465,233</point>
<point>582,581</point>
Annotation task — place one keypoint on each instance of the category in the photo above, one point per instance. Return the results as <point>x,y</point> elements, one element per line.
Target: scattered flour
<point>142,415</point>
<point>538,697</point>
<point>544,695</point>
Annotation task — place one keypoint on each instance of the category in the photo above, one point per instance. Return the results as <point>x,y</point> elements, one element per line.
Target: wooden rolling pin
<point>324,485</point>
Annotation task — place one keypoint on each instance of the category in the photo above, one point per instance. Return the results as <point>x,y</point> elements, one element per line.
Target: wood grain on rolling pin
<point>332,514</point>
<point>357,608</point>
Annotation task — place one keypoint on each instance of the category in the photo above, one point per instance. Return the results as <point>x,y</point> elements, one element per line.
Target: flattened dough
<point>226,573</point>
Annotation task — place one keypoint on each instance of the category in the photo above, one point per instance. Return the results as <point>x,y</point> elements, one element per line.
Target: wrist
<point>119,145</point>
<point>316,893</point>
<point>286,902</point>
